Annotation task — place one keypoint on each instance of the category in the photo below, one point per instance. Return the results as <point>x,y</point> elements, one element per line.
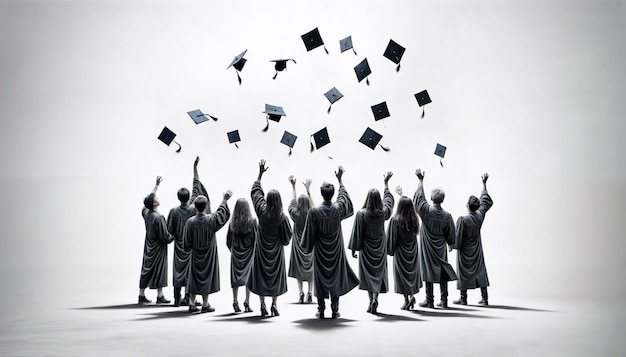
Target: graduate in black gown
<point>437,231</point>
<point>176,220</point>
<point>154,264</point>
<point>301,261</point>
<point>199,239</point>
<point>403,246</point>
<point>471,260</point>
<point>322,235</point>
<point>368,237</point>
<point>268,276</point>
<point>243,232</point>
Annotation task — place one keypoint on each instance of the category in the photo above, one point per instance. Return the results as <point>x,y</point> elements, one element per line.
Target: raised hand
<point>485,177</point>
<point>159,179</point>
<point>195,163</point>
<point>339,173</point>
<point>387,177</point>
<point>292,180</point>
<point>262,168</point>
<point>420,174</point>
<point>227,195</point>
<point>307,184</point>
<point>399,190</point>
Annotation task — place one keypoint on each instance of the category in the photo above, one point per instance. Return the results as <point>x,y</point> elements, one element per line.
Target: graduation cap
<point>199,117</point>
<point>346,44</point>
<point>422,99</point>
<point>394,52</point>
<point>333,95</point>
<point>371,138</point>
<point>321,139</point>
<point>288,139</point>
<point>167,137</point>
<point>274,113</point>
<point>363,70</point>
<point>440,151</point>
<point>233,137</point>
<point>281,65</point>
<point>380,111</point>
<point>238,62</point>
<point>312,40</point>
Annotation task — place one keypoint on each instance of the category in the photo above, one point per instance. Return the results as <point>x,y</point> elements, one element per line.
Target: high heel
<point>309,298</point>
<point>301,299</point>
<point>263,310</point>
<point>246,306</point>
<point>374,306</point>
<point>411,304</point>
<point>274,310</point>
<point>236,306</point>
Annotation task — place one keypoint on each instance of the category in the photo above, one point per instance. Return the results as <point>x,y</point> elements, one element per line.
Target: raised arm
<point>419,200</point>
<point>388,200</point>
<point>223,213</point>
<point>343,199</point>
<point>485,200</point>
<point>307,186</point>
<point>159,179</point>
<point>257,194</point>
<point>292,181</point>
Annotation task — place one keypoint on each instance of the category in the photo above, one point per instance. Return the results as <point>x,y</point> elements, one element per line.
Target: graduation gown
<point>199,238</point>
<point>403,246</point>
<point>176,220</point>
<point>436,231</point>
<point>301,261</point>
<point>154,265</point>
<point>470,259</point>
<point>368,237</point>
<point>322,236</point>
<point>268,275</point>
<point>241,246</point>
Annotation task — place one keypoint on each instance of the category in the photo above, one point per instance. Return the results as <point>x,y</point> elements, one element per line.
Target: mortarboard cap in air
<point>288,139</point>
<point>380,111</point>
<point>313,40</point>
<point>394,53</point>
<point>199,117</point>
<point>238,62</point>
<point>440,151</point>
<point>346,44</point>
<point>233,137</point>
<point>167,137</point>
<point>274,113</point>
<point>422,99</point>
<point>363,70</point>
<point>281,65</point>
<point>321,139</point>
<point>333,95</point>
<point>371,138</point>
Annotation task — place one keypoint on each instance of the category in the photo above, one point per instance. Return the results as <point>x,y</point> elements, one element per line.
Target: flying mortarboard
<point>394,52</point>
<point>371,138</point>
<point>333,95</point>
<point>199,117</point>
<point>238,62</point>
<point>313,39</point>
<point>167,137</point>
<point>363,70</point>
<point>281,65</point>
<point>321,139</point>
<point>346,44</point>
<point>380,111</point>
<point>440,151</point>
<point>274,113</point>
<point>288,139</point>
<point>422,99</point>
<point>233,137</point>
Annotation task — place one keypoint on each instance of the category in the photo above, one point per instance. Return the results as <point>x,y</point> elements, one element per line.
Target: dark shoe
<point>246,306</point>
<point>369,307</point>
<point>274,310</point>
<point>411,303</point>
<point>427,303</point>
<point>207,308</point>
<point>184,301</point>
<point>193,309</point>
<point>143,300</point>
<point>301,299</point>
<point>320,313</point>
<point>460,301</point>
<point>483,302</point>
<point>162,300</point>
<point>336,315</point>
<point>263,310</point>
<point>405,306</point>
<point>443,304</point>
<point>176,301</point>
<point>236,306</point>
<point>335,308</point>
<point>374,306</point>
<point>309,298</point>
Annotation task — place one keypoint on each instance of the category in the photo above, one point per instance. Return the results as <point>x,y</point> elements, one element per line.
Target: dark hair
<point>241,220</point>
<point>373,203</point>
<point>437,195</point>
<point>274,205</point>
<point>407,216</point>
<point>473,203</point>
<point>303,205</point>
<point>148,202</point>
<point>327,190</point>
<point>183,195</point>
<point>200,203</point>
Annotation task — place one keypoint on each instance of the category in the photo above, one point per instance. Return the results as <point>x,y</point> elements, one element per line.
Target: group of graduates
<point>317,246</point>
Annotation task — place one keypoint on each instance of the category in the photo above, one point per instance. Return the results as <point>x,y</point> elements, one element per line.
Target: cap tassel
<point>238,78</point>
<point>354,51</point>
<point>441,162</point>
<point>275,75</point>
<point>423,112</point>
<point>179,147</point>
<point>330,157</point>
<point>384,148</point>
<point>289,151</point>
<point>266,126</point>
<point>311,141</point>
<point>367,81</point>
<point>212,117</point>
<point>237,146</point>
<point>325,49</point>
<point>329,107</point>
<point>398,67</point>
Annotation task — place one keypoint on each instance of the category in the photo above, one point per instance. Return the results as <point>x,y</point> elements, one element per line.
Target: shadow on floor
<point>512,308</point>
<point>382,317</point>
<point>318,324</point>
<point>123,307</point>
<point>449,313</point>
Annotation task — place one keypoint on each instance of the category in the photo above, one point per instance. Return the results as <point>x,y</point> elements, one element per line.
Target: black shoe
<point>263,310</point>
<point>320,313</point>
<point>207,308</point>
<point>483,302</point>
<point>336,315</point>
<point>301,299</point>
<point>176,301</point>
<point>374,306</point>
<point>246,306</point>
<point>184,301</point>
<point>143,300</point>
<point>193,309</point>
<point>274,310</point>
<point>427,303</point>
<point>443,304</point>
<point>236,306</point>
<point>405,306</point>
<point>309,298</point>
<point>460,301</point>
<point>369,307</point>
<point>162,300</point>
<point>411,303</point>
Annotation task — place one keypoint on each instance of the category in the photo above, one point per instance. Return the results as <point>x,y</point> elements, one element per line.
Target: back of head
<point>274,204</point>
<point>242,217</point>
<point>148,202</point>
<point>183,195</point>
<point>437,195</point>
<point>327,190</point>
<point>407,215</point>
<point>303,205</point>
<point>201,203</point>
<point>373,202</point>
<point>473,203</point>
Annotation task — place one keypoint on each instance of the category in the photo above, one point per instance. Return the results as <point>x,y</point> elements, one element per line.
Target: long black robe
<point>301,261</point>
<point>322,235</point>
<point>403,246</point>
<point>368,237</point>
<point>436,230</point>
<point>268,275</point>
<point>471,261</point>
<point>241,246</point>
<point>176,220</point>
<point>154,266</point>
<point>199,238</point>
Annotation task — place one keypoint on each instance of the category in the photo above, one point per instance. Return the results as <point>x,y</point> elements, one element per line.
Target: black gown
<point>241,246</point>
<point>154,265</point>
